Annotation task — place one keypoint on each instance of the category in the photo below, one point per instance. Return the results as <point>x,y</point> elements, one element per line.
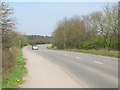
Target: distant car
<point>34,47</point>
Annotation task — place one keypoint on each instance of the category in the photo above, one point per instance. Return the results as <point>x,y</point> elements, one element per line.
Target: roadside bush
<point>93,44</point>
<point>87,45</point>
<point>7,62</point>
<point>10,46</point>
<point>114,44</point>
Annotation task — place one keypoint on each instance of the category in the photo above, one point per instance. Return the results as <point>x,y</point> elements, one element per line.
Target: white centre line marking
<point>78,57</point>
<point>98,62</point>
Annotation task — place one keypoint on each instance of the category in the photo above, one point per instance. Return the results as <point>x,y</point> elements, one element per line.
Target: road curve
<point>94,71</point>
<point>44,74</point>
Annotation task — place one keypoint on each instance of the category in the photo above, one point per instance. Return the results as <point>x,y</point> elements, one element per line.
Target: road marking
<point>98,62</point>
<point>66,54</point>
<point>78,57</point>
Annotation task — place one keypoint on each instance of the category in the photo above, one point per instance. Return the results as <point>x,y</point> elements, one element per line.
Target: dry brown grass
<point>8,59</point>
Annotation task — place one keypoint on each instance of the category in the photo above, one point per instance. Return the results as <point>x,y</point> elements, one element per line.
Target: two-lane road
<point>94,71</point>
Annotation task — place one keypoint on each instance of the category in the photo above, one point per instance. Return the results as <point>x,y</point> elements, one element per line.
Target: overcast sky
<point>41,17</point>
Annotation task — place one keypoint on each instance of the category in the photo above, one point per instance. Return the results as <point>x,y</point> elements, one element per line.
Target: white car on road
<point>34,47</point>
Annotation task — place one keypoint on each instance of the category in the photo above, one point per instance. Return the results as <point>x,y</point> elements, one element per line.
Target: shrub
<point>93,44</point>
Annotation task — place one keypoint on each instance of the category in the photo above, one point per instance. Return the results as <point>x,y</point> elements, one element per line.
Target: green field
<point>98,52</point>
<point>17,72</point>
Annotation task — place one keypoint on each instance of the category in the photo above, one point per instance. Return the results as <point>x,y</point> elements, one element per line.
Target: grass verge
<point>98,52</point>
<point>17,72</point>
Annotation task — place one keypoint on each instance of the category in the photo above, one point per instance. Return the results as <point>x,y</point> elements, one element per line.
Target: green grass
<point>17,72</point>
<point>98,52</point>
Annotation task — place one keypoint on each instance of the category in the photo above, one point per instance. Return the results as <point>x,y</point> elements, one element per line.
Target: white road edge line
<point>98,62</point>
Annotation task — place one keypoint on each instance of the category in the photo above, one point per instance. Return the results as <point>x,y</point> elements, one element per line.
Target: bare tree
<point>108,25</point>
<point>98,28</point>
<point>70,33</point>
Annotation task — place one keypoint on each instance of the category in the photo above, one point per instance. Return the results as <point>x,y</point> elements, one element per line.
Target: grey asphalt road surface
<point>94,71</point>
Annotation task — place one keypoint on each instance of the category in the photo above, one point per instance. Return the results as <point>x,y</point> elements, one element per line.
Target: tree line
<point>38,39</point>
<point>98,30</point>
<point>11,39</point>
